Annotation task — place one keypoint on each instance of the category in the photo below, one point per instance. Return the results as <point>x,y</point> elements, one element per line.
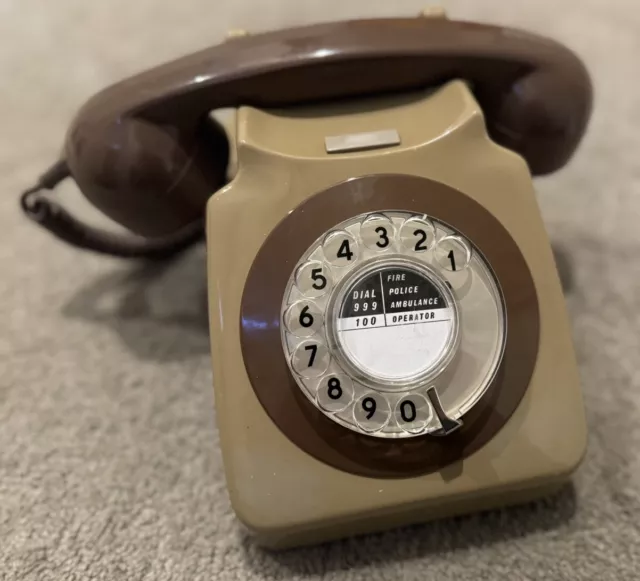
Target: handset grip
<point>535,92</point>
<point>143,152</point>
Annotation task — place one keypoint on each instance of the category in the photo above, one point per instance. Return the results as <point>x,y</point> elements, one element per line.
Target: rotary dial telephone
<point>388,330</point>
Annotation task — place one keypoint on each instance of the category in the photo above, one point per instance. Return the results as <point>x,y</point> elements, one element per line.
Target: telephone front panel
<point>389,336</point>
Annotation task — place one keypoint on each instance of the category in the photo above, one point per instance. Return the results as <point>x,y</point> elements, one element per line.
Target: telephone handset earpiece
<point>147,154</point>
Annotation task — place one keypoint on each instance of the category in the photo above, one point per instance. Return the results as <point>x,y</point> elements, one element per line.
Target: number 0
<point>408,411</point>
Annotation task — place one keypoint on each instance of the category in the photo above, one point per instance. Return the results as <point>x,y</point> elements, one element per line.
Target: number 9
<point>369,406</point>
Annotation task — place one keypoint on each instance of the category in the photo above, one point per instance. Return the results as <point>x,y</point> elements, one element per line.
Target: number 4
<point>345,250</point>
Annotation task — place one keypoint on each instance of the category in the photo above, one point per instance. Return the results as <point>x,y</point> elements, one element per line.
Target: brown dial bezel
<point>265,361</point>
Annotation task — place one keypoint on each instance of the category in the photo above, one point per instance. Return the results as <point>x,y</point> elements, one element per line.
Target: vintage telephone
<point>388,330</point>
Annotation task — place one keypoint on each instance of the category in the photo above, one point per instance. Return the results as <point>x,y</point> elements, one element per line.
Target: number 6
<point>305,319</point>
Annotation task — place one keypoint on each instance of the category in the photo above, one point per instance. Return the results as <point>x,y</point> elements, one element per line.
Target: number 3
<point>384,237</point>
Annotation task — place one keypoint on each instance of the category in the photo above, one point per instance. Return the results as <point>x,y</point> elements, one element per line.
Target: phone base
<point>284,539</point>
<point>283,494</point>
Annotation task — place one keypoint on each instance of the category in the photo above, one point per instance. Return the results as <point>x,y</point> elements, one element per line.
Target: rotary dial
<point>393,325</point>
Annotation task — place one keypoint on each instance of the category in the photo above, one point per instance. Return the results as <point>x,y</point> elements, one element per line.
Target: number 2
<point>420,243</point>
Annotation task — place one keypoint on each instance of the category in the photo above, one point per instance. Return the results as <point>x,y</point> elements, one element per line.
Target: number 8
<point>335,390</point>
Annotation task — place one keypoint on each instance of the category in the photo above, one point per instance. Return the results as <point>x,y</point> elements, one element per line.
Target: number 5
<point>319,280</point>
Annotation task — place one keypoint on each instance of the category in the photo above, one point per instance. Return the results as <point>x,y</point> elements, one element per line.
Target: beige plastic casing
<point>282,494</point>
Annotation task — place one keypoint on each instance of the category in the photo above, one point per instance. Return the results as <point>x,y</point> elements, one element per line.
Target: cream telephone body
<point>382,326</point>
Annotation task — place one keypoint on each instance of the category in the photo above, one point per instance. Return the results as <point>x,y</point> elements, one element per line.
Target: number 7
<point>314,350</point>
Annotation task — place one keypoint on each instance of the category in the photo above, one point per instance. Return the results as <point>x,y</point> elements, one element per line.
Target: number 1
<point>452,258</point>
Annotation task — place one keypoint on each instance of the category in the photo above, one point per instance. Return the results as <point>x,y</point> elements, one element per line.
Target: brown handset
<point>388,330</point>
<point>147,154</point>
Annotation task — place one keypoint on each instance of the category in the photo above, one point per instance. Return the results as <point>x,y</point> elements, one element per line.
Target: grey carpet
<point>109,460</point>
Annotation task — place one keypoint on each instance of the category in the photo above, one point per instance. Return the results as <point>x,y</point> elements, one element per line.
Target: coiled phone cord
<point>54,218</point>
